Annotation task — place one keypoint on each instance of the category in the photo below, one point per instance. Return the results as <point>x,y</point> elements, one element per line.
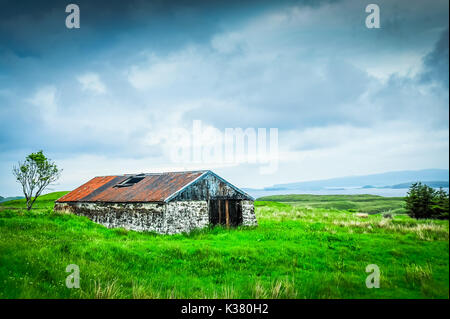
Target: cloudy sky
<point>106,98</point>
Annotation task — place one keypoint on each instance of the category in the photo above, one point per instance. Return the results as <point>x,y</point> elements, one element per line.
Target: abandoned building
<point>165,203</point>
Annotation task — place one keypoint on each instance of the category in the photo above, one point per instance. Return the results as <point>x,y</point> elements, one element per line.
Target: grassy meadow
<point>304,247</point>
<point>370,204</point>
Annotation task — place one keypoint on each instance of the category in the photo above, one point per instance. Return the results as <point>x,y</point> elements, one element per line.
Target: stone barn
<point>166,203</point>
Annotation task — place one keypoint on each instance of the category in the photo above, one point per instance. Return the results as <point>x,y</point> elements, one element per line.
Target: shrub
<point>423,201</point>
<point>387,215</point>
<point>440,204</point>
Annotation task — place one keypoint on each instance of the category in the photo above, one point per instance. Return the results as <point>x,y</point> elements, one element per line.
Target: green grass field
<point>370,204</point>
<point>302,248</point>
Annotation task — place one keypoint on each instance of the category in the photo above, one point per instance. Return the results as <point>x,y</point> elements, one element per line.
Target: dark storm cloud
<point>35,45</point>
<point>36,29</point>
<point>436,62</point>
<point>30,28</point>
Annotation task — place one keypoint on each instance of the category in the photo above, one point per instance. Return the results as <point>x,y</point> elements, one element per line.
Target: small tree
<point>35,174</point>
<point>423,201</point>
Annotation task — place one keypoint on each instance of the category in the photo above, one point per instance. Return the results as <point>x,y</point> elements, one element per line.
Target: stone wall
<point>170,218</point>
<point>248,213</point>
<point>185,216</point>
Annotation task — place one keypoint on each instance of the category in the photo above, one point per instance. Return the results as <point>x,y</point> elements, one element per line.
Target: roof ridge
<point>159,173</point>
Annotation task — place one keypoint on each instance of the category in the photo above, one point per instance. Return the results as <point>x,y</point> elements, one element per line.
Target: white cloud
<point>188,67</point>
<point>158,73</point>
<point>91,82</point>
<point>45,100</point>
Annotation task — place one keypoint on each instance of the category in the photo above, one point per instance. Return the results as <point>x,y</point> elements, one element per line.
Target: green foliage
<point>295,252</point>
<point>440,204</point>
<point>423,201</point>
<point>35,174</point>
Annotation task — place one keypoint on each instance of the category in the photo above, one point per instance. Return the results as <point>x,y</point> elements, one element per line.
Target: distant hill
<point>5,199</point>
<point>396,179</point>
<point>42,201</point>
<point>435,184</point>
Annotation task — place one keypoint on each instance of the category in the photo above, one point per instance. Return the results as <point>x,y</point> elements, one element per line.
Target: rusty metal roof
<point>153,188</point>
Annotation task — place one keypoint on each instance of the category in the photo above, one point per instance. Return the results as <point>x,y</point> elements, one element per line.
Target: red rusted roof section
<point>86,189</point>
<point>153,188</point>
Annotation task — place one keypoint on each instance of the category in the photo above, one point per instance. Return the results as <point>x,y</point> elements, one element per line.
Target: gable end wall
<point>209,187</point>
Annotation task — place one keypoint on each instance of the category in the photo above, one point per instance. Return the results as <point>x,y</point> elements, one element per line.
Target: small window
<point>131,181</point>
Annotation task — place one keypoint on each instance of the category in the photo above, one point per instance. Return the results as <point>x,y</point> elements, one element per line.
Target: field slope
<point>298,251</point>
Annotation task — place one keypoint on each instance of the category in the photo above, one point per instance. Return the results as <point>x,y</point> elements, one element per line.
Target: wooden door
<point>226,212</point>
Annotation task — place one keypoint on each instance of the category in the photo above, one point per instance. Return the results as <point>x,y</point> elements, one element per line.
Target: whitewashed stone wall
<point>185,216</point>
<point>171,218</point>
<point>248,213</point>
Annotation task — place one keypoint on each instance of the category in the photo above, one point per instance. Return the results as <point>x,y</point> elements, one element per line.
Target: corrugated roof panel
<point>153,188</point>
<point>86,188</point>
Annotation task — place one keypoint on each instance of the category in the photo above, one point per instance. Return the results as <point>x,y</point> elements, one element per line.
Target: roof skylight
<point>132,180</point>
